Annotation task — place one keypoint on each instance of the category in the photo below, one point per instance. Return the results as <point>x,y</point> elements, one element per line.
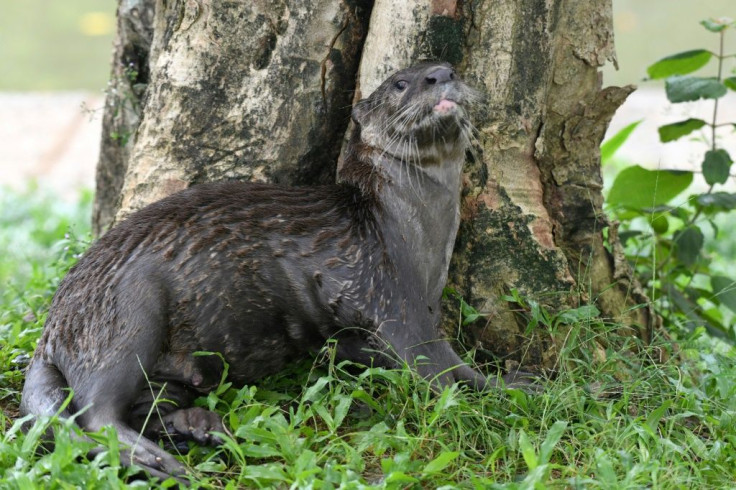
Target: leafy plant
<point>667,243</point>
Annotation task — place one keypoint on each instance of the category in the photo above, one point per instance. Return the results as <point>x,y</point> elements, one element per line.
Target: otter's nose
<point>440,75</point>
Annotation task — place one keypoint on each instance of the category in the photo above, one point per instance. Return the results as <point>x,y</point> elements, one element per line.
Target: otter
<point>264,274</point>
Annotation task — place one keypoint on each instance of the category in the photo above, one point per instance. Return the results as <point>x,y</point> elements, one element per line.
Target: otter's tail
<point>45,390</point>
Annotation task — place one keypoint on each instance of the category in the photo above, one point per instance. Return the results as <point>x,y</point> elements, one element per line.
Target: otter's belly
<point>253,336</point>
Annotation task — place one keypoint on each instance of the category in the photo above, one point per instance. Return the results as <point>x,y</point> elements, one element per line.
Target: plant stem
<point>715,102</point>
<point>713,125</point>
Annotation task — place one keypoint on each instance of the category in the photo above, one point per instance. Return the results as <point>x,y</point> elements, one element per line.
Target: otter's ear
<point>360,110</point>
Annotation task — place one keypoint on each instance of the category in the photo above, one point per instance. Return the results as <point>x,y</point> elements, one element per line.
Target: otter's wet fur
<point>264,274</point>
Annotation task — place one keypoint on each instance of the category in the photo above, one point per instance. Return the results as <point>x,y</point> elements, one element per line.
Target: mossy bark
<point>262,91</point>
<point>533,206</point>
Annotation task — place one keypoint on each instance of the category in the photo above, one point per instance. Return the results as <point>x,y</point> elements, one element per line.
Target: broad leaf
<point>612,144</point>
<point>440,462</point>
<point>636,187</point>
<point>553,437</point>
<point>725,289</point>
<point>671,132</point>
<point>730,82</point>
<point>680,63</point>
<point>582,313</point>
<point>314,392</point>
<point>688,243</point>
<point>686,89</point>
<point>716,25</point>
<point>716,166</point>
<point>527,450</point>
<point>721,200</point>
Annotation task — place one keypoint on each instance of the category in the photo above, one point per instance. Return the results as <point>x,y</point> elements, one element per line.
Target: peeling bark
<point>244,90</point>
<point>534,218</point>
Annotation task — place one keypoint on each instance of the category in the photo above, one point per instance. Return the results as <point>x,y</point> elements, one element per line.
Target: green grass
<point>607,420</point>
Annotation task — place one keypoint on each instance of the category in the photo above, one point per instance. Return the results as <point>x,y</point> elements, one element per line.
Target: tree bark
<point>240,90</point>
<point>128,81</point>
<point>262,90</point>
<point>533,209</point>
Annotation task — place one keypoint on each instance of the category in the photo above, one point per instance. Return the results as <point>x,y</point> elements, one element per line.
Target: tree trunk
<point>128,81</point>
<point>261,91</point>
<point>239,90</point>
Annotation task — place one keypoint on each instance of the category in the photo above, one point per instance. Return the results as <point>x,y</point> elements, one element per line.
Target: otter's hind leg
<point>44,393</point>
<point>110,387</point>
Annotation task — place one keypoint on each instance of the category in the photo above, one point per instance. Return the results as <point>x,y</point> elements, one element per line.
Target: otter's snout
<point>440,75</point>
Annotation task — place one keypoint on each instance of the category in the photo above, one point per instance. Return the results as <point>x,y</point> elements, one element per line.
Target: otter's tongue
<point>444,106</point>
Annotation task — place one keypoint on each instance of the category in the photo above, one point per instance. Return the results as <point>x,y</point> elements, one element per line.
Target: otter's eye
<point>401,84</point>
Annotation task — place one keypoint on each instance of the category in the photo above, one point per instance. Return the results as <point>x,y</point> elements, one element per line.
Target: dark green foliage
<point>716,166</point>
<point>686,89</point>
<point>636,187</point>
<point>688,244</point>
<point>674,131</point>
<point>679,260</point>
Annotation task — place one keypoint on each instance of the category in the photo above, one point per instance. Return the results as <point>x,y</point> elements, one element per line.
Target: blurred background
<point>55,57</point>
<point>56,60</point>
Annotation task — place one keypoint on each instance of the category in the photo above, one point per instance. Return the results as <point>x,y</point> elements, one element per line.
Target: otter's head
<point>418,114</point>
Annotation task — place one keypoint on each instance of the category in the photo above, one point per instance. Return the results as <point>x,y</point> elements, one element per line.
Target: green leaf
<point>680,63</point>
<point>636,187</point>
<point>469,313</point>
<point>399,477</point>
<point>671,132</point>
<point>583,313</point>
<point>716,25</point>
<point>612,144</point>
<point>720,200</point>
<point>527,451</point>
<point>604,469</point>
<point>553,437</point>
<point>314,392</point>
<point>730,82</point>
<point>341,409</point>
<point>656,415</point>
<point>686,89</point>
<point>688,243</point>
<point>725,289</point>
<point>716,166</point>
<point>440,462</point>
